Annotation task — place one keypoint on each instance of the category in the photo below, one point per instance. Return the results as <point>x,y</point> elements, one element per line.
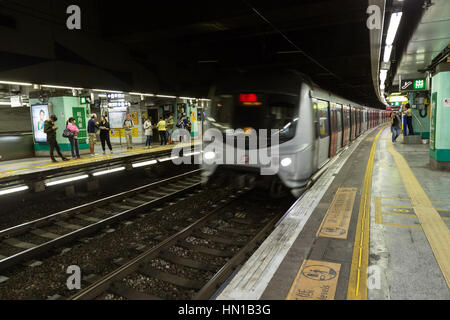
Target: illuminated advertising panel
<point>39,114</point>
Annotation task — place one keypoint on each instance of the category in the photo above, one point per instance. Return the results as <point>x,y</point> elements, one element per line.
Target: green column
<point>440,118</point>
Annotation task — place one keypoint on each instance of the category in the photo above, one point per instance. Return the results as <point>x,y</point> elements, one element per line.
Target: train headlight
<point>286,162</point>
<point>210,155</point>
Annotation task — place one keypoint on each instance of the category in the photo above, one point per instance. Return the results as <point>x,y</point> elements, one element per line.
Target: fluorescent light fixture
<point>109,91</point>
<point>383,75</point>
<point>16,83</point>
<point>187,98</point>
<point>167,159</point>
<point>387,53</point>
<point>143,164</point>
<point>100,173</point>
<point>13,190</point>
<point>142,94</point>
<point>382,87</point>
<point>393,27</point>
<point>5,103</point>
<point>60,87</point>
<point>192,154</point>
<point>62,181</point>
<point>162,96</point>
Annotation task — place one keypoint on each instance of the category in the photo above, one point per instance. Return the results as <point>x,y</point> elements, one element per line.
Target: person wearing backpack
<point>73,138</point>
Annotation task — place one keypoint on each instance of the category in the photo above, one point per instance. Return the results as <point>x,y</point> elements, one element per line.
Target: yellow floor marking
<point>357,284</point>
<point>316,280</point>
<point>401,225</point>
<point>403,199</point>
<point>434,227</point>
<point>337,219</point>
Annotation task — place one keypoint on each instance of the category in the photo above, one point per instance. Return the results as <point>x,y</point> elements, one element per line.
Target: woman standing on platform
<point>162,131</point>
<point>104,134</point>
<point>148,132</point>
<point>74,147</point>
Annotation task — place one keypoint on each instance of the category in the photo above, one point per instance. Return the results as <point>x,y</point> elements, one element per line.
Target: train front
<point>250,131</point>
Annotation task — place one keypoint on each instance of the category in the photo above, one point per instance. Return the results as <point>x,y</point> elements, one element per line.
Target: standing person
<point>92,129</point>
<point>180,125</point>
<point>395,128</point>
<point>74,146</point>
<point>104,134</point>
<point>409,119</point>
<point>50,129</point>
<point>188,124</point>
<point>170,123</point>
<point>148,132</point>
<point>128,126</point>
<point>162,131</point>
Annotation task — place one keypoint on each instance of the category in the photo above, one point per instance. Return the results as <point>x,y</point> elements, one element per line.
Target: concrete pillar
<point>440,118</point>
<point>38,186</point>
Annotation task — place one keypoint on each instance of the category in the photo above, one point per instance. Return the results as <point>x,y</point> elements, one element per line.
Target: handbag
<point>68,134</point>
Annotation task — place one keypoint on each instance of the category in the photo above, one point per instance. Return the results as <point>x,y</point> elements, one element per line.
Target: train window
<point>324,122</point>
<point>276,112</point>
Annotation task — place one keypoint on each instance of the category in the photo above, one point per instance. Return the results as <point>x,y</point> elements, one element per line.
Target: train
<point>310,125</point>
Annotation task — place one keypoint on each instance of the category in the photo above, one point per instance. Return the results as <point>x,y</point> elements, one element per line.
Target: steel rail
<point>30,253</point>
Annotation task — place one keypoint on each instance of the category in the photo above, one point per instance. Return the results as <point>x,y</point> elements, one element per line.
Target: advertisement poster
<point>116,119</point>
<point>134,118</point>
<point>39,114</point>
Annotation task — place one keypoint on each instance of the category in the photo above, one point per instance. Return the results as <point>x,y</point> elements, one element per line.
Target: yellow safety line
<point>434,227</point>
<point>357,285</point>
<point>5,173</point>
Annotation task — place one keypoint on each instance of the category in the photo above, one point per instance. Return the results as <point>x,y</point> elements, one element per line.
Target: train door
<point>333,130</point>
<point>346,127</point>
<point>322,125</point>
<point>359,122</point>
<point>353,123</point>
<point>340,126</point>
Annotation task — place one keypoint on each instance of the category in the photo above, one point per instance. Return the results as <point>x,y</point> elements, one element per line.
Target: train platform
<point>39,168</point>
<point>374,226</point>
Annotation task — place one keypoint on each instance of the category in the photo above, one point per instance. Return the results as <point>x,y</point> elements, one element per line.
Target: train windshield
<point>256,111</point>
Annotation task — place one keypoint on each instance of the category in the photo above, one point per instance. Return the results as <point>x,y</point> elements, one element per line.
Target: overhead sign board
<point>413,85</point>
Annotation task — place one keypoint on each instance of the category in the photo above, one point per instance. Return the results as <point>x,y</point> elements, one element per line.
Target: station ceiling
<point>325,39</point>
<point>188,44</point>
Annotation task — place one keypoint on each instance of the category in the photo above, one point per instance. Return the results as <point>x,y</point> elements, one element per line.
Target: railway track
<point>26,241</point>
<point>227,239</point>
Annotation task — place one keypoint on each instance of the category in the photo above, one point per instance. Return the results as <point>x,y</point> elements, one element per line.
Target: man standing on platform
<point>92,128</point>
<point>408,112</point>
<point>128,126</point>
<point>50,129</point>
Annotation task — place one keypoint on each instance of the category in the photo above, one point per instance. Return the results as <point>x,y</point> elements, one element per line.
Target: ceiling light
<point>393,27</point>
<point>60,87</point>
<point>387,53</point>
<point>16,83</point>
<point>161,96</point>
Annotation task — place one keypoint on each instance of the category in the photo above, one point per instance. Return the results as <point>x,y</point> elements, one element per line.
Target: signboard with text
<point>413,85</point>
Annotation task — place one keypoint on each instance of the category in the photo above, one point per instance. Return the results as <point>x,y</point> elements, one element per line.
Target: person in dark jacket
<point>50,129</point>
<point>104,134</point>
<point>395,126</point>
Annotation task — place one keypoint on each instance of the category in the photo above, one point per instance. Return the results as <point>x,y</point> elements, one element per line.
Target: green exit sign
<point>420,84</point>
<point>83,100</point>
